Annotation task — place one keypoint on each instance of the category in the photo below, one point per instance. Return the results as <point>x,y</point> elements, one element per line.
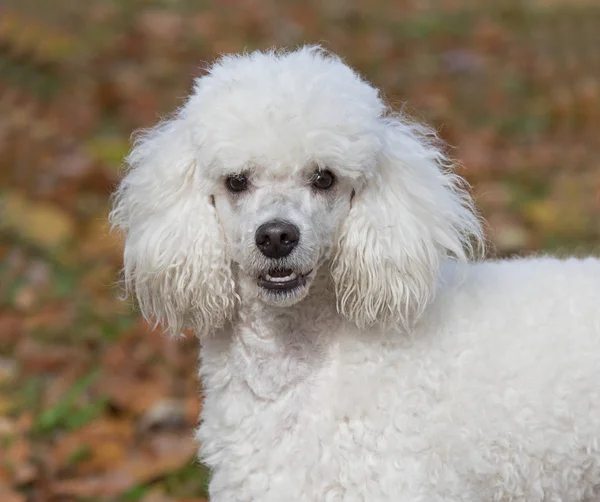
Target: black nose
<point>277,238</point>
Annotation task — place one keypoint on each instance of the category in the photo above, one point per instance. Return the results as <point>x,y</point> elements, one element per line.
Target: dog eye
<point>237,183</point>
<point>323,179</point>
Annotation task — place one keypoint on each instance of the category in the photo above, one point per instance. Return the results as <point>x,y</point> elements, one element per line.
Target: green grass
<point>69,413</point>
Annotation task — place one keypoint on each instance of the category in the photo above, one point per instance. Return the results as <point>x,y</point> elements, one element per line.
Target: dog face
<point>280,229</point>
<point>277,165</point>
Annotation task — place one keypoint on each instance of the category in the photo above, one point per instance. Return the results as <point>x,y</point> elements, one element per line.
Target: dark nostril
<point>277,238</point>
<point>285,238</point>
<point>262,239</point>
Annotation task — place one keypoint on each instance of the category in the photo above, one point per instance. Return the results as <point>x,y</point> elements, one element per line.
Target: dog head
<point>277,165</point>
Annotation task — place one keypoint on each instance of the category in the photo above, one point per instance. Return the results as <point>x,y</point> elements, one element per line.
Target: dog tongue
<point>280,272</point>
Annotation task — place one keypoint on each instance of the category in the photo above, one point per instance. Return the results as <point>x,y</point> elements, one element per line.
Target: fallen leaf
<point>160,455</point>
<point>96,447</point>
<point>8,495</point>
<point>17,462</point>
<point>8,427</point>
<point>107,485</point>
<point>542,213</point>
<point>134,395</point>
<point>165,452</point>
<point>11,327</point>
<point>157,494</point>
<point>38,357</point>
<point>41,223</point>
<point>59,315</point>
<point>6,405</point>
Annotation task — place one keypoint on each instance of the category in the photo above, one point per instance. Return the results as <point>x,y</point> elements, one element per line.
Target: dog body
<point>321,248</point>
<point>494,396</point>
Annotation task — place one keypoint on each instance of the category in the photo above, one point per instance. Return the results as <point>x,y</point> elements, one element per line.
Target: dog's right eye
<point>323,179</point>
<point>237,183</point>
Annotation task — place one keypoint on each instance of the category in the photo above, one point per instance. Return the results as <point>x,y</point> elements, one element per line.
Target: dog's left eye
<point>237,183</point>
<point>323,179</point>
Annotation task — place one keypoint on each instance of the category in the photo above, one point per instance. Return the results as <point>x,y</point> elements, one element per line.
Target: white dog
<point>318,245</point>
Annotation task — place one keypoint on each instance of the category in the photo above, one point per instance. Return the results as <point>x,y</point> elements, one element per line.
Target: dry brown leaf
<point>160,455</point>
<point>107,485</point>
<point>11,327</point>
<point>8,495</point>
<point>5,476</point>
<point>16,463</point>
<point>105,442</point>
<point>25,473</point>
<point>8,427</point>
<point>136,396</point>
<point>163,453</point>
<point>38,357</point>
<point>56,314</point>
<point>157,494</point>
<point>25,422</point>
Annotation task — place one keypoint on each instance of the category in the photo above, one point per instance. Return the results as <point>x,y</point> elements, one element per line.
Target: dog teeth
<point>287,278</point>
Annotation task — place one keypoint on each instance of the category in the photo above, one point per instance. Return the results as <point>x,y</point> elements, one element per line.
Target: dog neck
<point>273,349</point>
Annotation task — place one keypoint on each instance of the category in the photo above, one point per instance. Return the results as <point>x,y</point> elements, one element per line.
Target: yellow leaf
<point>38,222</point>
<point>6,405</point>
<point>542,213</point>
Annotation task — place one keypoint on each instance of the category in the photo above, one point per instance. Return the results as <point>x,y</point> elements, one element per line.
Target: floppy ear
<point>175,259</point>
<point>409,215</point>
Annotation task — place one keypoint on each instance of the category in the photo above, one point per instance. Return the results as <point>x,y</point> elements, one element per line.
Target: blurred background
<point>95,407</point>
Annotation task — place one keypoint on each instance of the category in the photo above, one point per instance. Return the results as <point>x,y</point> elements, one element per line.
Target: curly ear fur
<point>410,214</point>
<point>175,260</point>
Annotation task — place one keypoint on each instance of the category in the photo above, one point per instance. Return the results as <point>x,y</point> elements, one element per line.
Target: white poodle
<point>318,245</point>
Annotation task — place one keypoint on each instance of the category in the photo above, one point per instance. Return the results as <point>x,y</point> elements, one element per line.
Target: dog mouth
<point>282,279</point>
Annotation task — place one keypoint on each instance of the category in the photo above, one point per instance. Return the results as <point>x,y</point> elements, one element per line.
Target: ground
<point>94,406</point>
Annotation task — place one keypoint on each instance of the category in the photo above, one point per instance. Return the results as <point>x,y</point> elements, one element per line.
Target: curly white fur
<point>396,370</point>
<point>179,272</point>
<point>387,261</point>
